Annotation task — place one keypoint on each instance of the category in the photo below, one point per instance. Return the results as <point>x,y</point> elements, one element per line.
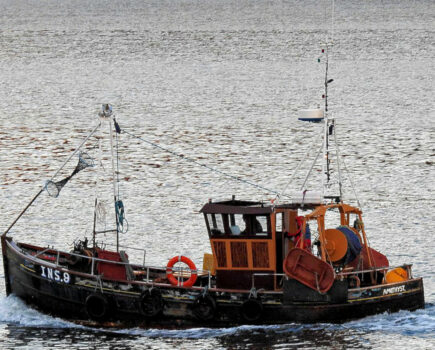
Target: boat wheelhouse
<point>249,241</point>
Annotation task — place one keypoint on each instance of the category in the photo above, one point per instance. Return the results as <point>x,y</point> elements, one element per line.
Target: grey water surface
<point>220,82</point>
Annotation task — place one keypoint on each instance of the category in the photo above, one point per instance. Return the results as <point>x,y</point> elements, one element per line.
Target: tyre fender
<point>251,310</point>
<point>151,302</point>
<point>96,306</point>
<point>204,307</point>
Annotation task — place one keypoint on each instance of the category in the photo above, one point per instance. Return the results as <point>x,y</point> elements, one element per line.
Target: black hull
<point>79,299</point>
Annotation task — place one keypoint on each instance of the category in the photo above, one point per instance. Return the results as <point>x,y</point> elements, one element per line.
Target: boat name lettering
<point>55,275</point>
<point>393,290</point>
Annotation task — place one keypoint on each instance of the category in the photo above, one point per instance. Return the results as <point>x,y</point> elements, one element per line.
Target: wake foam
<point>419,323</point>
<point>14,311</point>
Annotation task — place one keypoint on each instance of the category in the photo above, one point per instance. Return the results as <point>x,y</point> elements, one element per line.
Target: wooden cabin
<point>249,238</point>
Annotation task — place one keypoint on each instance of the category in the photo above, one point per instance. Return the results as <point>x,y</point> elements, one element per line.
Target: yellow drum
<point>396,275</point>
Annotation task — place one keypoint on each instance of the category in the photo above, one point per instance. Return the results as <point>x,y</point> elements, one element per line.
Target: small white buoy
<point>311,115</point>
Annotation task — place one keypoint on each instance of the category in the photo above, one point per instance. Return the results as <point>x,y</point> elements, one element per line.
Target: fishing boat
<point>272,261</point>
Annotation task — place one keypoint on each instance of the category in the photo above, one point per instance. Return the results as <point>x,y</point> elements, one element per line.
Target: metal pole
<point>326,83</point>
<point>338,160</point>
<point>114,183</point>
<point>95,223</point>
<point>325,130</point>
<point>42,189</point>
<point>23,211</point>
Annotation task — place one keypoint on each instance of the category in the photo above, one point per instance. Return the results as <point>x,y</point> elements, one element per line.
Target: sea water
<point>220,82</point>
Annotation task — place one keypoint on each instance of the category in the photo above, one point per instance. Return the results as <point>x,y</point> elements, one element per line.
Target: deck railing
<point>179,272</point>
<point>340,275</point>
<point>182,272</point>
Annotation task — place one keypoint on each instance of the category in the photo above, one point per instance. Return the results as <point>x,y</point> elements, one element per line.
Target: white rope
<point>75,151</point>
<point>333,22</point>
<point>282,193</point>
<point>200,164</point>
<point>312,166</point>
<point>351,182</point>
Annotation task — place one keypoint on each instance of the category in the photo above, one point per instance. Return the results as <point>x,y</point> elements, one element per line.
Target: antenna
<point>327,81</point>
<point>329,130</point>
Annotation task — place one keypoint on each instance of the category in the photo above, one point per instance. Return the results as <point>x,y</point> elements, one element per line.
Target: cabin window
<point>216,224</point>
<point>255,225</point>
<point>279,222</point>
<point>239,225</point>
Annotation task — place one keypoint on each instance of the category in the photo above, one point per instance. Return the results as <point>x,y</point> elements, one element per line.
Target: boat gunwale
<point>42,262</point>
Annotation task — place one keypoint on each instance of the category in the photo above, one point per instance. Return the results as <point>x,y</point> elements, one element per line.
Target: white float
<point>311,115</point>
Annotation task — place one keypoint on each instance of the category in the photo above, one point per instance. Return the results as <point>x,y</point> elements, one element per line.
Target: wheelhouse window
<point>279,222</point>
<point>256,225</point>
<point>239,225</point>
<point>216,224</point>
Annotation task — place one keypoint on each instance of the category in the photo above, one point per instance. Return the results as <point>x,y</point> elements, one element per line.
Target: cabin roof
<point>234,206</point>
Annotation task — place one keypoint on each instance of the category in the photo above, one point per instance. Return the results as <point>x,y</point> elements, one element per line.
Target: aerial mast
<point>329,130</point>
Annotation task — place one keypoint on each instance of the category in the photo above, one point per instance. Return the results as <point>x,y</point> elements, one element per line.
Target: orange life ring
<point>175,281</point>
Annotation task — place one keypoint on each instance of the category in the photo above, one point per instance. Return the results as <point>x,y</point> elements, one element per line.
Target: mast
<point>106,113</point>
<point>115,199</point>
<point>329,130</point>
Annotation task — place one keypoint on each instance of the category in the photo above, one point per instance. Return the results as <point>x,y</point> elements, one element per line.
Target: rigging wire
<point>76,150</point>
<point>311,168</point>
<point>282,193</point>
<point>333,22</point>
<point>351,182</point>
<point>181,156</point>
<point>51,179</point>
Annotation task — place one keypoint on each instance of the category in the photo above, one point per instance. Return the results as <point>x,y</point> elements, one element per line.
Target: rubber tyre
<point>96,306</point>
<point>251,310</point>
<point>204,307</point>
<point>151,303</point>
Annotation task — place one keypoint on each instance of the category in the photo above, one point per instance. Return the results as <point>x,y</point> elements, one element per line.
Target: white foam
<point>419,323</point>
<point>13,310</point>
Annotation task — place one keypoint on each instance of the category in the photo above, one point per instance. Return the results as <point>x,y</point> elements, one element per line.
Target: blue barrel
<point>353,244</point>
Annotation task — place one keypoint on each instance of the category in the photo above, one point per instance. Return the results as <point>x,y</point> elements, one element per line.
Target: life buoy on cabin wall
<point>178,282</point>
<point>151,302</point>
<point>96,306</point>
<point>251,310</point>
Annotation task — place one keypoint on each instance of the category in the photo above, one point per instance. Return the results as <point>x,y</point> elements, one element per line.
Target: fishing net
<point>53,188</point>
